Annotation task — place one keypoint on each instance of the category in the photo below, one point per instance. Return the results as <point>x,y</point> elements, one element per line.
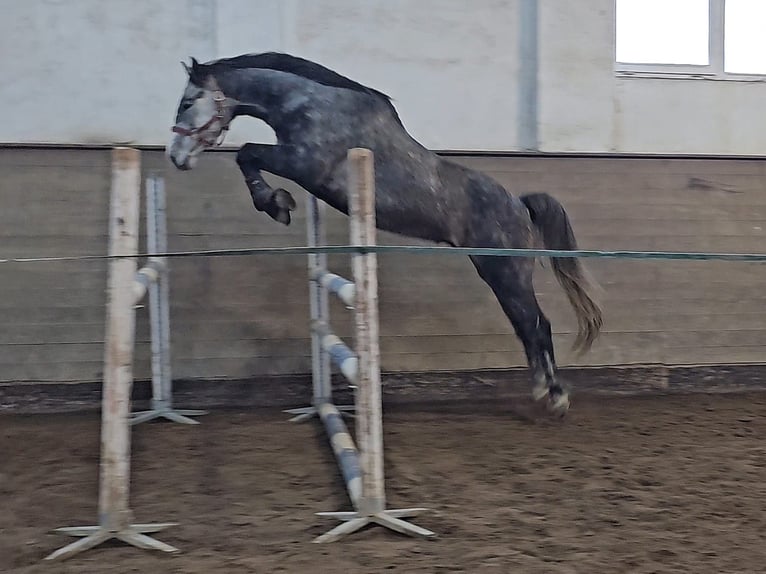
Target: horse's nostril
<point>180,165</point>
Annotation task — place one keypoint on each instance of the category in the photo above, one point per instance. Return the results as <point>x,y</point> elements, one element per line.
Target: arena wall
<point>240,317</point>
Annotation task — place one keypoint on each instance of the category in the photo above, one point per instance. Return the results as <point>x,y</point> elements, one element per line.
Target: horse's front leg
<point>276,159</point>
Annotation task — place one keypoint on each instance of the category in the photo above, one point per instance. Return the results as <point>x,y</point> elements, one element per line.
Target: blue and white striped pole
<point>340,354</point>
<point>362,468</point>
<point>344,449</point>
<point>342,287</point>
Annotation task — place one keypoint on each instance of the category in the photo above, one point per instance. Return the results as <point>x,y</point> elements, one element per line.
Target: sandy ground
<point>651,484</point>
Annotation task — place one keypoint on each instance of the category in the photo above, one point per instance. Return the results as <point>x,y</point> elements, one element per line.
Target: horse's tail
<point>552,221</point>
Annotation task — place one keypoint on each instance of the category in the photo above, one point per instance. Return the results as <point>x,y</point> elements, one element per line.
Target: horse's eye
<point>185,105</point>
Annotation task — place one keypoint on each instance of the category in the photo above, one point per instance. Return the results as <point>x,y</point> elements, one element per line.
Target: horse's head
<point>202,118</point>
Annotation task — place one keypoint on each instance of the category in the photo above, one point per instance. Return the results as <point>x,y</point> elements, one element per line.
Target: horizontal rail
<point>145,276</point>
<point>344,449</point>
<point>416,249</point>
<point>343,357</point>
<point>340,286</point>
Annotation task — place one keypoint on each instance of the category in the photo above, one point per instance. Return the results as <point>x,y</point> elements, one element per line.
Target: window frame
<point>714,70</point>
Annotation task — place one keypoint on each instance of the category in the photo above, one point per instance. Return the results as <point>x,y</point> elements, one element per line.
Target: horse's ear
<point>197,72</point>
<point>187,68</point>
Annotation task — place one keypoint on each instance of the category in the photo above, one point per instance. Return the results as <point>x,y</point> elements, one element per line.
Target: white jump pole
<point>159,310</point>
<point>114,513</point>
<point>319,286</point>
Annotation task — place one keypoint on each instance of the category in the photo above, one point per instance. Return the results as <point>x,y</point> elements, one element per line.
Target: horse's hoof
<point>280,206</point>
<point>283,199</point>
<point>559,404</point>
<point>282,216</point>
<point>540,391</point>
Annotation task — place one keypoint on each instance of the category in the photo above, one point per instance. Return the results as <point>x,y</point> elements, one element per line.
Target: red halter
<point>197,133</point>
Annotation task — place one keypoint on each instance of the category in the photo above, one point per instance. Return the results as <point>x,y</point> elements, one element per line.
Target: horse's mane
<point>289,64</point>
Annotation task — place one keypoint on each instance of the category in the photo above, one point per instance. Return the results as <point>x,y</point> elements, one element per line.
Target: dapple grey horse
<point>318,115</point>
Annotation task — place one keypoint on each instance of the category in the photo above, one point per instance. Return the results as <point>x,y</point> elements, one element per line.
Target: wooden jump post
<point>362,468</point>
<point>125,288</point>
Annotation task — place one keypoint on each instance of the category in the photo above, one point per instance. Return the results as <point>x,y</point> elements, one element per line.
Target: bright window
<point>745,37</point>
<point>709,38</point>
<point>663,31</point>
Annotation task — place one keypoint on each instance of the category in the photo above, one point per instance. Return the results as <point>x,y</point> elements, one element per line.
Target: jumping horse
<point>317,115</point>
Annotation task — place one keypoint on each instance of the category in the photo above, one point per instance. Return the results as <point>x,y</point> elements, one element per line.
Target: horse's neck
<point>262,93</point>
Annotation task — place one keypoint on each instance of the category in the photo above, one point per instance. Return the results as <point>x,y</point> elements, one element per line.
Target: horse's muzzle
<point>183,166</point>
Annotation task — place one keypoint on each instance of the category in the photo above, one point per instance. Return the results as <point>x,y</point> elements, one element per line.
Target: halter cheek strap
<point>198,133</point>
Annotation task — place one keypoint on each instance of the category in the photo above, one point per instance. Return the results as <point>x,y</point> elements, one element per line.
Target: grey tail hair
<point>551,220</point>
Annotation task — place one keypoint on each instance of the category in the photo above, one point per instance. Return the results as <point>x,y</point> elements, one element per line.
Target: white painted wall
<point>707,116</point>
<point>90,71</point>
<point>576,76</point>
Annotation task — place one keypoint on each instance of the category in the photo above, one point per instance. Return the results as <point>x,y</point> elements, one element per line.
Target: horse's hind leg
<point>510,278</point>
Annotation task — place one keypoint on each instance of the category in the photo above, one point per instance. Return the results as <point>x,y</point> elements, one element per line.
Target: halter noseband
<point>197,133</point>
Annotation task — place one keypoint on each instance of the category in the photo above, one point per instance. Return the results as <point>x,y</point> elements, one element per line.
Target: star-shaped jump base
<point>180,416</point>
<point>354,521</point>
<point>135,535</point>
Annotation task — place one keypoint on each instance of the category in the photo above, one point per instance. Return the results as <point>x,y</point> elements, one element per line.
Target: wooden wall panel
<point>236,317</point>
